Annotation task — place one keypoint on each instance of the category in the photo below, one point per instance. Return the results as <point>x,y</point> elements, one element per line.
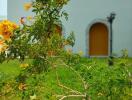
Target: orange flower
<point>1,42</point>
<point>27,6</point>
<point>6,29</point>
<point>7,36</point>
<point>22,86</point>
<point>51,53</point>
<point>3,46</point>
<point>15,26</point>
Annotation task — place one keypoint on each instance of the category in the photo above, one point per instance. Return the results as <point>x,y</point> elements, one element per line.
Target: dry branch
<point>76,93</point>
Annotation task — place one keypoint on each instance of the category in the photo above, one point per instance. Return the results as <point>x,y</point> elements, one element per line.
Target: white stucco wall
<point>15,10</point>
<point>3,9</point>
<point>82,13</point>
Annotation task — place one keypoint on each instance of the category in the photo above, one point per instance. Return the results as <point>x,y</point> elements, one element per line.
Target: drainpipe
<point>110,20</point>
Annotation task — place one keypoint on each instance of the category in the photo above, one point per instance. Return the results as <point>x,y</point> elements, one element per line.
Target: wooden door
<point>98,40</point>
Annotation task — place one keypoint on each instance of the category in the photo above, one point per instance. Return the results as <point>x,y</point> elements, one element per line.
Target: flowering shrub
<point>6,32</point>
<point>38,38</point>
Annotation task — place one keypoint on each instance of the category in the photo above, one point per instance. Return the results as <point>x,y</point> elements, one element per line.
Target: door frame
<point>102,21</point>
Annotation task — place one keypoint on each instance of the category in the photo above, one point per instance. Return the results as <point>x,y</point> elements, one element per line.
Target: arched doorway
<point>98,40</point>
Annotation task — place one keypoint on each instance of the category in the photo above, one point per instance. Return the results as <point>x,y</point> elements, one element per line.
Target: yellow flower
<point>6,32</point>
<point>29,17</point>
<point>15,26</point>
<point>27,6</point>
<point>7,36</point>
<point>22,86</point>
<point>1,42</point>
<point>6,29</point>
<point>33,97</point>
<point>24,65</point>
<point>3,46</point>
<point>100,94</point>
<point>80,53</point>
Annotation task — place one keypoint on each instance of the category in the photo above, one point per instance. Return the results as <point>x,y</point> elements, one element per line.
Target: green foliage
<point>124,53</point>
<point>107,82</point>
<point>2,80</point>
<point>49,64</point>
<point>104,82</point>
<point>71,59</point>
<point>39,40</point>
<point>111,61</point>
<point>36,39</point>
<point>71,39</point>
<point>2,57</point>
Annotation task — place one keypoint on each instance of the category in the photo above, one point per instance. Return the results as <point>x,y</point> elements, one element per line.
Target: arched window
<point>3,9</point>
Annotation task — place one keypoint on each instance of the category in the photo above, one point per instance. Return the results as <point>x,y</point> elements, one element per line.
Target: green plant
<point>111,61</point>
<point>124,53</point>
<point>38,38</point>
<point>106,82</point>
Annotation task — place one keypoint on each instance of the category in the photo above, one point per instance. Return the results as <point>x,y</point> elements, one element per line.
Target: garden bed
<point>61,80</point>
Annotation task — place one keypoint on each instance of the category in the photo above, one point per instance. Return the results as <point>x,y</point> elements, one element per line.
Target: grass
<point>49,85</point>
<point>11,67</point>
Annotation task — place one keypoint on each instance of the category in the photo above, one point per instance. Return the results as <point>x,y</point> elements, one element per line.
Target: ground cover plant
<point>36,65</point>
<point>102,81</point>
